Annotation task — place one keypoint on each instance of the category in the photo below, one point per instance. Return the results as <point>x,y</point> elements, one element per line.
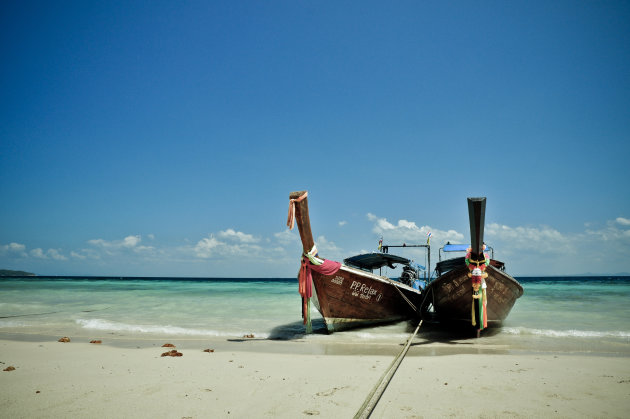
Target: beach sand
<point>260,378</point>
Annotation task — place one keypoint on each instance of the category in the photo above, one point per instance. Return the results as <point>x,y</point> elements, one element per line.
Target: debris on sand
<point>172,353</point>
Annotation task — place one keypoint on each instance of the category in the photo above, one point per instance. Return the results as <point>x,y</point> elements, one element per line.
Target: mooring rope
<point>407,300</point>
<point>375,395</point>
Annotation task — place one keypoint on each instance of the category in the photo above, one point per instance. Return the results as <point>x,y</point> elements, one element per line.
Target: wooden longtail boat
<point>449,296</point>
<point>353,295</point>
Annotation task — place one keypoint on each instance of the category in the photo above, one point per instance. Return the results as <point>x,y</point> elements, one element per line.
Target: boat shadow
<point>296,330</point>
<point>448,333</point>
<point>430,332</point>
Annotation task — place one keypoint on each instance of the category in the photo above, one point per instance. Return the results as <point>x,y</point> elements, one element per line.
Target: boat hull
<point>451,295</point>
<point>354,298</point>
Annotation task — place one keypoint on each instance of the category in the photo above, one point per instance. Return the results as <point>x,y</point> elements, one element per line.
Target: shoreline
<point>324,344</point>
<point>253,378</point>
<point>429,344</point>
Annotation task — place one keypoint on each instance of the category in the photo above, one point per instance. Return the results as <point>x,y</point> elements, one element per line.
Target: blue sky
<point>163,138</point>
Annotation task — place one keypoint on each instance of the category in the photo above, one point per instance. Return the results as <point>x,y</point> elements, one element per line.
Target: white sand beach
<point>288,380</point>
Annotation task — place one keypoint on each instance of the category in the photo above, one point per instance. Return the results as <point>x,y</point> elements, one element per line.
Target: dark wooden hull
<point>451,295</point>
<point>354,298</point>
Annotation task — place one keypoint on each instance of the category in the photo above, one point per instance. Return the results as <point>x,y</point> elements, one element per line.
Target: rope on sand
<point>375,395</point>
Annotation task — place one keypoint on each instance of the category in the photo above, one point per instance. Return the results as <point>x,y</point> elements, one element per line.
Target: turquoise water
<point>225,308</point>
<point>590,306</point>
<point>576,313</point>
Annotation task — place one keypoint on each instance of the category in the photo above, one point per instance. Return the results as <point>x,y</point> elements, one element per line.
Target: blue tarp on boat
<point>456,247</point>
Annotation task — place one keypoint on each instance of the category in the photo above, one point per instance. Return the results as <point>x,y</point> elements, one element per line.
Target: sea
<point>576,315</point>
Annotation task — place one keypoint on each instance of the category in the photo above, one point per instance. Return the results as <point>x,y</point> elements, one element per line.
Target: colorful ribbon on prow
<point>478,274</point>
<point>310,261</point>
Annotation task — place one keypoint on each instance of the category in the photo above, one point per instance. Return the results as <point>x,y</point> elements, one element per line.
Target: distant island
<point>8,272</point>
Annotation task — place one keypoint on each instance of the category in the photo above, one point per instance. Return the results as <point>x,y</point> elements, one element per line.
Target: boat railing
<point>385,249</point>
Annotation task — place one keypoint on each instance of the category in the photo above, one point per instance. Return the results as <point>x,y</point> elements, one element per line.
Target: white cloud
<point>342,223</point>
<point>131,242</point>
<point>527,250</point>
<point>610,233</point>
<point>54,254</point>
<point>405,231</point>
<point>14,249</point>
<point>238,236</point>
<point>231,244</point>
<point>84,254</point>
<point>38,253</point>
<point>544,250</point>
<point>19,250</point>
<point>623,221</point>
<point>536,239</point>
<point>99,242</point>
<point>328,248</point>
<point>205,247</point>
<point>76,255</point>
<point>287,236</point>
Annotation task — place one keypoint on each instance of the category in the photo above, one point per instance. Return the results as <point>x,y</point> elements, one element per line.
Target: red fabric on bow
<point>305,278</point>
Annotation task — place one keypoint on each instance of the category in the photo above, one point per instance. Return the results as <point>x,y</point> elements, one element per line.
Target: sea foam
<point>566,333</point>
<point>106,325</point>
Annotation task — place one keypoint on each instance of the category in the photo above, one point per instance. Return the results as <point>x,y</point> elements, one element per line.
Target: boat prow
<point>353,295</point>
<point>450,297</point>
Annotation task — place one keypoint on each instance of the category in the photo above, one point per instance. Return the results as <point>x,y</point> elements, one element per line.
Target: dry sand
<point>289,380</point>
